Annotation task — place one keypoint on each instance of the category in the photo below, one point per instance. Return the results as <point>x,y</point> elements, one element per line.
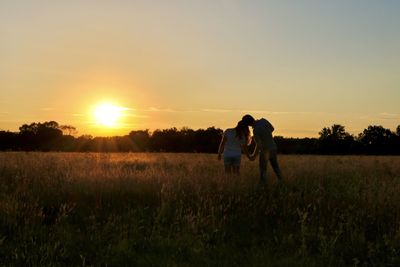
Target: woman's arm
<point>246,151</point>
<point>245,147</point>
<point>221,146</point>
<point>253,156</point>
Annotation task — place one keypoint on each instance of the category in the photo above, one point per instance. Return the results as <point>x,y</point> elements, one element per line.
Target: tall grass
<point>67,209</point>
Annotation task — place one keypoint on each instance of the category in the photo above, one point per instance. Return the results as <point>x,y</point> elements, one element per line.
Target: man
<point>265,146</point>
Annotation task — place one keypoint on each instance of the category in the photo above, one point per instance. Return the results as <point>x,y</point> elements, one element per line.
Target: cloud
<point>126,125</point>
<point>291,112</point>
<point>218,110</point>
<point>125,108</point>
<point>47,109</point>
<point>381,116</point>
<point>268,112</point>
<point>222,110</point>
<point>389,116</point>
<point>136,116</point>
<point>154,109</point>
<point>296,130</point>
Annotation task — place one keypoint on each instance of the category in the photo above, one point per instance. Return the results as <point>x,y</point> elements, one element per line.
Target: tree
<point>335,140</point>
<point>207,141</point>
<point>140,140</point>
<point>397,141</point>
<point>68,129</point>
<point>40,136</point>
<point>336,132</point>
<point>377,140</point>
<point>8,140</point>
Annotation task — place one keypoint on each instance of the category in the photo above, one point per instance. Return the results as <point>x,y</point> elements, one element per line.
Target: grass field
<point>60,209</point>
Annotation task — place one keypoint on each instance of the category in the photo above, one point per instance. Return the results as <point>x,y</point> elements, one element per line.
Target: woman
<point>233,141</point>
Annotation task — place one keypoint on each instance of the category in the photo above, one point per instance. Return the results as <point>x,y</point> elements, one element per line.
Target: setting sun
<point>107,114</point>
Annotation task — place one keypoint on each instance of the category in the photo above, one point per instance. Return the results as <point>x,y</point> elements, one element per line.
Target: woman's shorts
<point>232,160</point>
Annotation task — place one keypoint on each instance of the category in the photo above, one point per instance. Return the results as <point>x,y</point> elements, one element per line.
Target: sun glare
<point>108,115</point>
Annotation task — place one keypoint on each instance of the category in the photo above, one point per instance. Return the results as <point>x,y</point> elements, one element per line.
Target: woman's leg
<point>236,165</point>
<point>228,168</point>
<point>236,169</point>
<point>227,164</point>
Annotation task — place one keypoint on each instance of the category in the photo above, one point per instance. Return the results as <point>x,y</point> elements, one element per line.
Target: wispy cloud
<point>47,109</point>
<point>291,112</point>
<point>389,116</point>
<point>136,116</point>
<point>218,110</point>
<point>297,131</point>
<point>126,108</point>
<point>269,112</point>
<point>380,116</point>
<point>35,69</point>
<point>255,111</point>
<point>154,109</point>
<point>126,125</point>
<point>223,110</point>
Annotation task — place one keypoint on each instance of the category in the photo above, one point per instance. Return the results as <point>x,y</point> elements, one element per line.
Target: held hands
<point>252,157</point>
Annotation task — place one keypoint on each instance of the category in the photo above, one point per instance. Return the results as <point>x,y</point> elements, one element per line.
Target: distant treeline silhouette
<point>50,136</point>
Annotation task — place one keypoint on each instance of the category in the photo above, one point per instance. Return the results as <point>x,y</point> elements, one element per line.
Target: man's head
<point>248,120</point>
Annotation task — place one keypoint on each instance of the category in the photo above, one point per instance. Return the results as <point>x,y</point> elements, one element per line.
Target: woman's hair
<point>243,132</point>
<point>248,120</point>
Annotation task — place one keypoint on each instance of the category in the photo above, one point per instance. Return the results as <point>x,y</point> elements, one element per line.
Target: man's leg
<point>263,166</point>
<point>275,165</point>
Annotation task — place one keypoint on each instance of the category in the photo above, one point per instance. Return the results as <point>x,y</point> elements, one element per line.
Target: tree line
<point>51,136</point>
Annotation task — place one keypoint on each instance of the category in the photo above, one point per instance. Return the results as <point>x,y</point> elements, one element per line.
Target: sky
<point>302,65</point>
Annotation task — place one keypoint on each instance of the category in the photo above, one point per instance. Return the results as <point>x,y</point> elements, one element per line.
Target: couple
<point>237,139</point>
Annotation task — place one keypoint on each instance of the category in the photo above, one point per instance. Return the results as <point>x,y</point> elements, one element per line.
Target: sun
<point>107,114</point>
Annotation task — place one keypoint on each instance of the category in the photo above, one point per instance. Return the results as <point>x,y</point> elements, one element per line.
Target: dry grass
<point>74,209</point>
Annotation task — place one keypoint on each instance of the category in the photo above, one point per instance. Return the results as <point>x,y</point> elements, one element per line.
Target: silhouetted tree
<point>8,140</point>
<point>335,132</point>
<point>68,129</point>
<point>335,140</point>
<point>140,140</point>
<point>166,140</point>
<point>40,136</point>
<point>48,136</point>
<point>83,143</point>
<point>377,140</point>
<point>296,145</point>
<point>207,141</point>
<point>397,141</point>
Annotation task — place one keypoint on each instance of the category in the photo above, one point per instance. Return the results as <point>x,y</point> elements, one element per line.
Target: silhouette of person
<point>265,146</point>
<point>233,142</point>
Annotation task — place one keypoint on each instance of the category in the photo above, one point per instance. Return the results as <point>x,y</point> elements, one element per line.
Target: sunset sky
<point>302,65</point>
